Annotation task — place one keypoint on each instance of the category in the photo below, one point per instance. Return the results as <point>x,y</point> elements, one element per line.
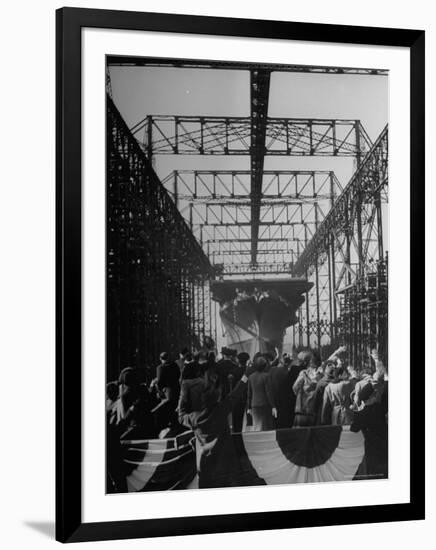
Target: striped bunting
<point>305,455</point>
<point>160,464</point>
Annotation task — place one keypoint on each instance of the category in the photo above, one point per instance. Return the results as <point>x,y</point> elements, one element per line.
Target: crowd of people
<point>237,393</point>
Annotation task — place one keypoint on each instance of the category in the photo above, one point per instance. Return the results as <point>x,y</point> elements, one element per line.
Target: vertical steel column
<point>259,95</point>
<point>176,188</point>
<point>149,137</point>
<point>358,199</point>
<point>307,295</point>
<point>318,325</point>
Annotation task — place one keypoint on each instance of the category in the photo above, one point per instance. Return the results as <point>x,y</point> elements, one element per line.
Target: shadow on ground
<point>47,528</point>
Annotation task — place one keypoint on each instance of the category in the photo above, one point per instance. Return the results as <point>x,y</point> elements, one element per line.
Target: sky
<point>139,91</point>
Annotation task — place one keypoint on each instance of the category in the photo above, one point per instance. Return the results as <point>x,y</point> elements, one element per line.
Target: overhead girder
<point>271,213</point>
<point>247,252</point>
<point>243,257</point>
<point>216,135</point>
<point>302,231</point>
<point>220,249</point>
<point>123,61</point>
<point>210,185</point>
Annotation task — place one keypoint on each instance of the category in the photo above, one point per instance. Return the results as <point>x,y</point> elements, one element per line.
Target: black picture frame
<point>69,23</point>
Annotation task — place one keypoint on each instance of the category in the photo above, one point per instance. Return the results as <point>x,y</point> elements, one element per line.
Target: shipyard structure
<point>195,250</point>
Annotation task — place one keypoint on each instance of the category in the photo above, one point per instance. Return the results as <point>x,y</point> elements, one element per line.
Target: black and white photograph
<point>247,250</point>
<point>217,276</point>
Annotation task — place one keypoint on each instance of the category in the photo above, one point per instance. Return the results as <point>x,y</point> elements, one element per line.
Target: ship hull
<point>255,315</point>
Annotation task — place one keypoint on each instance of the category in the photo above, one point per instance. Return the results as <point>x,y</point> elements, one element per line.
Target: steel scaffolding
<point>340,260</point>
<point>201,224</point>
<point>157,274</point>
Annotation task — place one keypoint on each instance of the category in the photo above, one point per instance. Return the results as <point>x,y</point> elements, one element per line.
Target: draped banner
<point>305,455</point>
<point>160,464</point>
<point>299,455</point>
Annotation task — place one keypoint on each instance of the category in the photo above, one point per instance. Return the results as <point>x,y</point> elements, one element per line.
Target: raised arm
<point>335,355</point>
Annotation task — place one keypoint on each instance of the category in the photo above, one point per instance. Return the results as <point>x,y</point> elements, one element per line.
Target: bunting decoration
<point>298,455</point>
<point>160,464</point>
<point>305,455</point>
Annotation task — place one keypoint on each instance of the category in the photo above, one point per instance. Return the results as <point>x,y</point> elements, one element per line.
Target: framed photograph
<point>240,241</point>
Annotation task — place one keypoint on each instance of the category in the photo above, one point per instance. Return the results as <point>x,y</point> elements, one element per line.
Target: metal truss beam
<point>355,220</point>
<point>123,61</point>
<point>211,185</point>
<point>239,233</point>
<point>249,240</point>
<point>271,214</point>
<point>248,224</point>
<point>263,252</point>
<point>241,247</point>
<point>214,135</point>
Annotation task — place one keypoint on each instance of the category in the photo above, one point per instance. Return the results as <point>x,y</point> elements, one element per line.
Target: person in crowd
<point>282,392</point>
<point>327,378</point>
<point>370,417</point>
<point>260,398</point>
<point>181,360</point>
<point>365,378</point>
<point>190,400</point>
<point>304,390</point>
<point>295,365</point>
<point>211,359</point>
<point>377,379</point>
<point>240,405</point>
<point>167,378</point>
<point>337,399</point>
<point>207,415</point>
<point>134,416</point>
<point>131,418</point>
<point>190,369</point>
<point>225,367</point>
<point>202,361</point>
<point>111,396</point>
<point>168,387</point>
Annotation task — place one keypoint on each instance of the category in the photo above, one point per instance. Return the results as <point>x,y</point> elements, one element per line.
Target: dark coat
<point>239,406</point>
<point>190,398</point>
<point>372,421</point>
<point>260,391</point>
<point>167,376</point>
<point>225,369</point>
<point>219,459</point>
<point>282,390</point>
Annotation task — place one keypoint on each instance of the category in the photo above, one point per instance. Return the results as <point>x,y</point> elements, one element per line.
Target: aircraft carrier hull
<point>256,314</point>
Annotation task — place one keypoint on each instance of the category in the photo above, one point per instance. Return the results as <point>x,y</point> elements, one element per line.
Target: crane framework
<point>253,222</point>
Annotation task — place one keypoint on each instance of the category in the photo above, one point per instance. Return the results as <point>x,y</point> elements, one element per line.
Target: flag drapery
<point>160,464</point>
<point>298,455</point>
<point>305,455</point>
